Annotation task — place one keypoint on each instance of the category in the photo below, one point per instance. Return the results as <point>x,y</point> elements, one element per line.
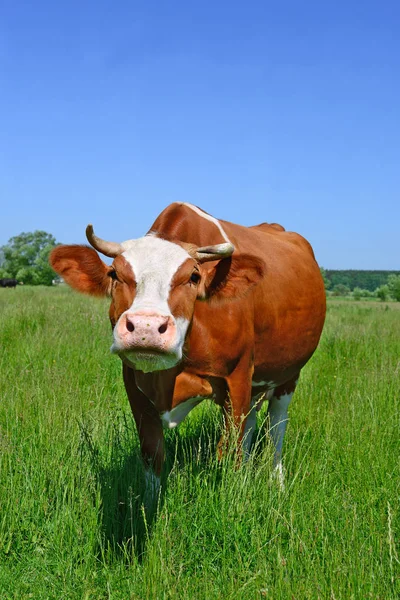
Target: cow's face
<point>153,292</point>
<point>153,284</point>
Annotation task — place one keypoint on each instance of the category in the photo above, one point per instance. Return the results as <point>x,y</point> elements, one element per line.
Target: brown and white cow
<point>203,308</point>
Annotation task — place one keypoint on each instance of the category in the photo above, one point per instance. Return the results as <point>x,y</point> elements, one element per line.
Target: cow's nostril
<point>130,326</point>
<point>163,328</point>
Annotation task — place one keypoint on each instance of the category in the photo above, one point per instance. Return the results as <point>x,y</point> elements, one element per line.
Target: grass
<point>72,523</point>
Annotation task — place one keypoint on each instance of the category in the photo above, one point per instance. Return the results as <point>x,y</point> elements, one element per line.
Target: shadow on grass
<point>116,465</point>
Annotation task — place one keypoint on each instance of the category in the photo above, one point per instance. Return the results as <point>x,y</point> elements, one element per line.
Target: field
<point>72,524</point>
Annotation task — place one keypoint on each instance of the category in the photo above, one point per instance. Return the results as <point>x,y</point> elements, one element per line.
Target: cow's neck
<point>158,386</point>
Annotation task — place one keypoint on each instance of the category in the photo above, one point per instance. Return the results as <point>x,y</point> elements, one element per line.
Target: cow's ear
<point>82,268</point>
<point>231,277</point>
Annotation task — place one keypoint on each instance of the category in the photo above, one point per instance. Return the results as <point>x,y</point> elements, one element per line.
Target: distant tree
<point>25,258</point>
<point>357,293</point>
<point>394,286</point>
<point>382,292</point>
<point>369,280</point>
<point>341,290</point>
<point>327,283</point>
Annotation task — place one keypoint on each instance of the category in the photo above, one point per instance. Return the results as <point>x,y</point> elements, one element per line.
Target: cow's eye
<point>113,274</point>
<point>195,277</point>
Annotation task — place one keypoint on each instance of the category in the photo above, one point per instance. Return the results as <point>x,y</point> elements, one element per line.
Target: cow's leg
<point>238,408</point>
<point>278,420</point>
<point>150,433</point>
<point>249,427</point>
<point>257,400</point>
<point>188,385</point>
<point>189,391</point>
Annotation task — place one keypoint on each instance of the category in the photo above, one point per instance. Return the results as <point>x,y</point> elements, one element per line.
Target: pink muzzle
<point>145,330</point>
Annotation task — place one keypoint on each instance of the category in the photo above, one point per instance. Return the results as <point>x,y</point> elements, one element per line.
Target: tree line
<point>384,285</point>
<point>366,280</point>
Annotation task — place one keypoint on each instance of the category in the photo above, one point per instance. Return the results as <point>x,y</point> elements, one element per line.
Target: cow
<point>11,283</point>
<point>204,308</point>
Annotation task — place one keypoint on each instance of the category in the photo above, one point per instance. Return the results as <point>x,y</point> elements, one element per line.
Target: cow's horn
<point>216,252</point>
<point>111,249</point>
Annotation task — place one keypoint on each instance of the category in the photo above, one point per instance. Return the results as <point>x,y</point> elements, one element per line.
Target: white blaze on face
<point>154,262</point>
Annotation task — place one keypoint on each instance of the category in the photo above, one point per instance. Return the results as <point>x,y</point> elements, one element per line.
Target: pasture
<point>72,525</point>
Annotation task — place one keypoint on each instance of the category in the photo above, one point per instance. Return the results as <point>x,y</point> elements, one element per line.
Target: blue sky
<point>255,111</point>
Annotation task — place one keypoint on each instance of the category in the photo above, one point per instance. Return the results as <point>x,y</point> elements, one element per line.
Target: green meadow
<point>72,521</point>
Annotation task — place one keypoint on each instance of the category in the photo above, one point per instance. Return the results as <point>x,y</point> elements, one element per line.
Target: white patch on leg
<point>172,418</point>
<point>152,488</point>
<point>278,415</point>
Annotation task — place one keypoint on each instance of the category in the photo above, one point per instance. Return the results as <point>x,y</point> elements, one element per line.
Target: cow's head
<point>154,284</point>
